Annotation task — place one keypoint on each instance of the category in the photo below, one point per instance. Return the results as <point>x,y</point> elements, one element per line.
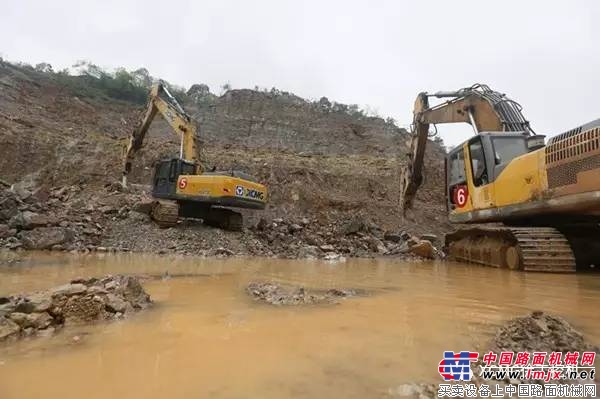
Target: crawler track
<point>538,249</point>
<point>225,219</point>
<point>165,213</point>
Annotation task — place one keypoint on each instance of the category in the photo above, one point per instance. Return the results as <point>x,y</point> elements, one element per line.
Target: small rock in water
<point>276,294</point>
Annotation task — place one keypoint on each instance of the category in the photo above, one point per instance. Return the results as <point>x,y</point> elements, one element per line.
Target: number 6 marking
<point>461,196</point>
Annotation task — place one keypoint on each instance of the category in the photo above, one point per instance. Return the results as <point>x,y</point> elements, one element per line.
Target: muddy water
<point>206,339</point>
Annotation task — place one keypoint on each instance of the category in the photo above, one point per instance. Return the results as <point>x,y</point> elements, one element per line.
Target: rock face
<point>277,294</point>
<point>82,300</point>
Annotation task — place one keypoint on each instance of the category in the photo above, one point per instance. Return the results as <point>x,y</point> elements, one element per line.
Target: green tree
<point>44,67</point>
<point>225,88</point>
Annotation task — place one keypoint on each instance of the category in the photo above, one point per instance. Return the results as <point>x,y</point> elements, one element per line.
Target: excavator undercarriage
<point>539,249</point>
<point>166,213</point>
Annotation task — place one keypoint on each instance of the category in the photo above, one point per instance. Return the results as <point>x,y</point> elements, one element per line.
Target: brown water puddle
<point>206,339</point>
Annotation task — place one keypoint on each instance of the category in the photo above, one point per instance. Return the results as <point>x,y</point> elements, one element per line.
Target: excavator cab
<point>166,175</point>
<point>487,154</point>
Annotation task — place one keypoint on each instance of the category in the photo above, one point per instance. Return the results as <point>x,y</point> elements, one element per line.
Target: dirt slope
<point>318,163</point>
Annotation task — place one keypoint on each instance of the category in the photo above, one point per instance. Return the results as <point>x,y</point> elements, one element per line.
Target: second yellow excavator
<point>545,199</point>
<point>181,186</point>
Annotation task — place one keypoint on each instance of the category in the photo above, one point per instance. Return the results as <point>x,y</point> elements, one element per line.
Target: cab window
<point>508,148</point>
<point>456,175</point>
<point>187,168</point>
<point>457,168</point>
<point>478,166</point>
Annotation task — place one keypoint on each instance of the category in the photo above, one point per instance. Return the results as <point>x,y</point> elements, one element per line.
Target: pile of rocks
<point>536,332</point>
<point>539,332</point>
<point>82,300</point>
<point>67,218</point>
<point>278,294</point>
<point>78,219</point>
<point>308,238</point>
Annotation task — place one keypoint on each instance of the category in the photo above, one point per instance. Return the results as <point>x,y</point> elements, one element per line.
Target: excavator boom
<point>161,101</point>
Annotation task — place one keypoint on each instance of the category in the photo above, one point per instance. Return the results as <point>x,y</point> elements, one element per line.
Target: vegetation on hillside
<point>86,79</point>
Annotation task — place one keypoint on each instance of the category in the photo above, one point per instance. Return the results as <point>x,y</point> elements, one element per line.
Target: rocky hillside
<point>319,160</point>
<point>283,121</point>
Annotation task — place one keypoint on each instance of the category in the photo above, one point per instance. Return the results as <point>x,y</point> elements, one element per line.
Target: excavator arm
<point>161,101</point>
<point>478,105</point>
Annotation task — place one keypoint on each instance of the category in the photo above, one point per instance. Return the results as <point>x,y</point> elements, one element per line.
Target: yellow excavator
<point>181,186</point>
<point>532,206</point>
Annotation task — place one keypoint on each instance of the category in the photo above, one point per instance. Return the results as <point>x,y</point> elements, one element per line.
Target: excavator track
<point>165,213</point>
<point>534,249</point>
<point>223,218</point>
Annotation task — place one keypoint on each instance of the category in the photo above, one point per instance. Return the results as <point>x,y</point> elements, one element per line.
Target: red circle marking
<point>461,195</point>
<point>183,183</point>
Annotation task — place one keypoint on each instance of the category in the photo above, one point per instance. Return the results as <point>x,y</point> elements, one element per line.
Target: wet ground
<point>206,338</point>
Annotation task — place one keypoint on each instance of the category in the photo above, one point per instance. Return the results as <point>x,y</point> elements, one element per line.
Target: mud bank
<point>80,301</point>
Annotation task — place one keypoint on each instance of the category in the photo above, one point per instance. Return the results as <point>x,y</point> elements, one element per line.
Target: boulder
<point>327,248</point>
<point>8,328</point>
<point>45,237</point>
<point>423,248</point>
<point>19,318</point>
<point>144,206</point>
<point>41,302</point>
<point>69,289</point>
<point>115,304</point>
<point>108,210</point>
<point>6,231</point>
<point>21,191</point>
<point>221,251</point>
<point>7,308</point>
<point>24,306</point>
<point>138,217</point>
<point>331,256</point>
<point>353,226</point>
<point>375,245</point>
<point>30,220</point>
<point>292,228</point>
<point>39,320</point>
<point>79,309</point>
<point>9,205</point>
<point>309,251</point>
<point>262,224</point>
<point>392,237</point>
